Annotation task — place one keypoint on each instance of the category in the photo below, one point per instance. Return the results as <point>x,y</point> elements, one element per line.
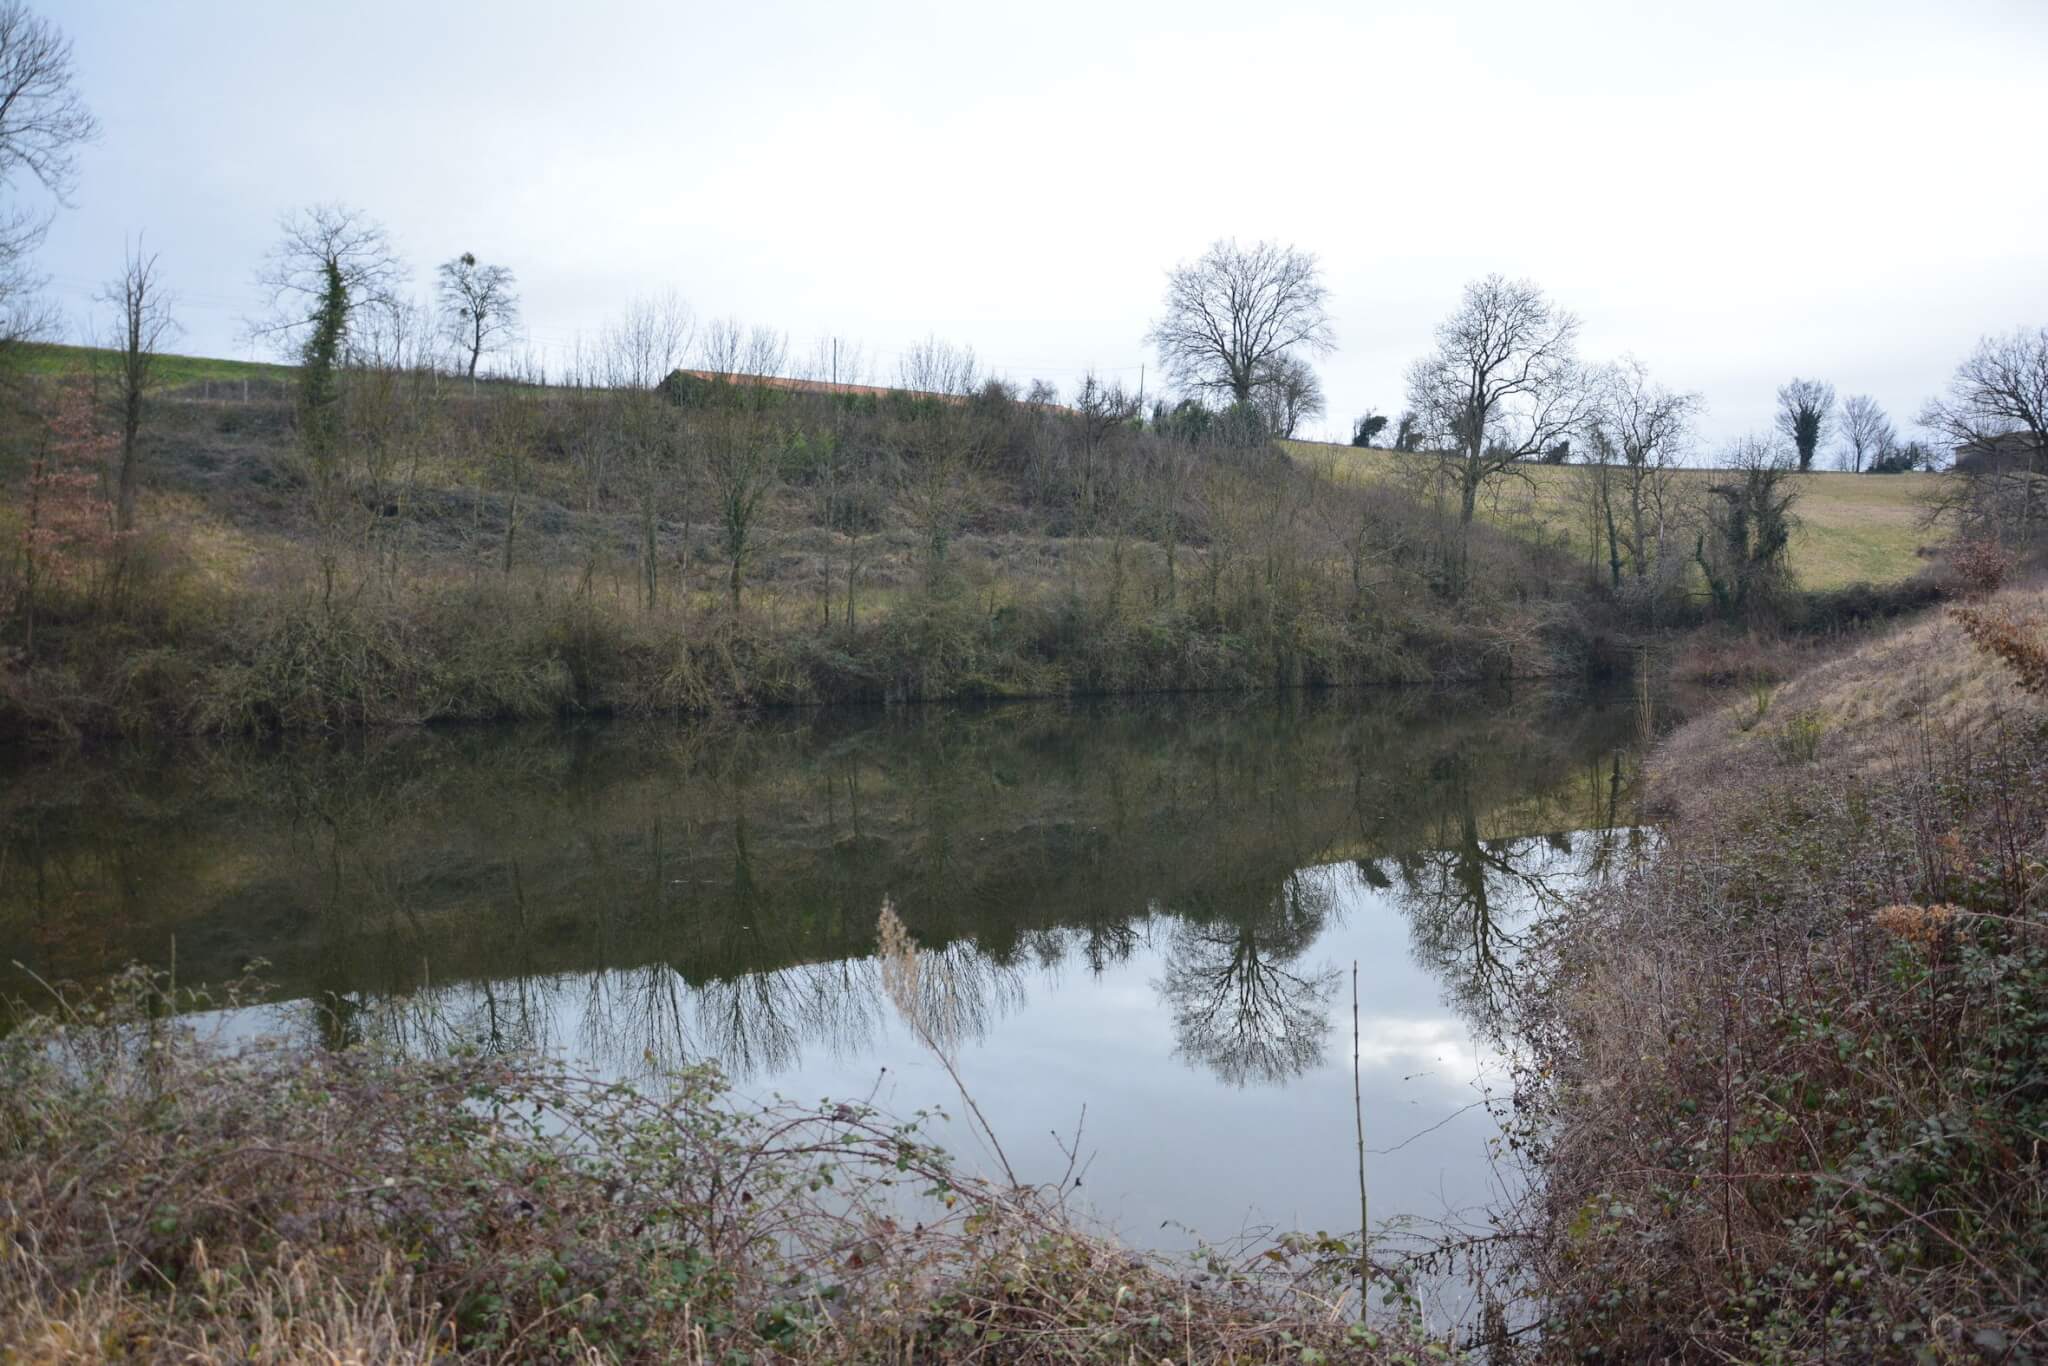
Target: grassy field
<point>1852,528</point>
<point>172,372</point>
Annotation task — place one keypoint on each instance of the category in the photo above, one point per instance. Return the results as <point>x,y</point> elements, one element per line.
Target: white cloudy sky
<point>1737,192</point>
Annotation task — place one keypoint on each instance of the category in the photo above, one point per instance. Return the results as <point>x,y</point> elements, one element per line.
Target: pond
<point>1138,919</point>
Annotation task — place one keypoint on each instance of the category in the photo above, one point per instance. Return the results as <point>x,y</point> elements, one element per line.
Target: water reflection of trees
<point>651,1018</point>
<point>1242,1005</point>
<point>658,896</point>
<point>1472,901</point>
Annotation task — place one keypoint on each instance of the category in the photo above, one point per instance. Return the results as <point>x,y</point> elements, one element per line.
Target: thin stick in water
<point>1358,1112</point>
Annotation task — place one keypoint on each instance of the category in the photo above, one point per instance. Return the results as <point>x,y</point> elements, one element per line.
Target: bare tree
<point>1998,398</point>
<point>653,449</point>
<point>1233,314</point>
<point>328,257</point>
<point>142,324</point>
<point>395,336</point>
<point>835,361</point>
<point>722,349</point>
<point>1641,431</point>
<point>851,495</point>
<point>1289,395</point>
<point>740,460</point>
<point>1503,385</point>
<point>647,341</point>
<point>42,123</point>
<point>510,436</point>
<point>941,449</point>
<point>1243,1004</point>
<point>938,367</point>
<point>637,351</point>
<point>1806,416</point>
<point>1101,410</point>
<point>1176,467</point>
<point>767,353</point>
<point>1995,419</point>
<point>848,491</point>
<point>479,306</point>
<point>1867,434</point>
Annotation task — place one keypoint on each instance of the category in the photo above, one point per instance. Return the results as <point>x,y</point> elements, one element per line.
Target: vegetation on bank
<point>166,1199</point>
<point>1788,1083</point>
<point>1852,528</point>
<point>532,553</point>
<point>447,553</point>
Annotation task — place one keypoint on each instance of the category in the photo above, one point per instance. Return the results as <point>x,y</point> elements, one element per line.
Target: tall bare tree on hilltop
<point>1867,434</point>
<point>479,306</point>
<point>1638,432</point>
<point>1236,313</point>
<point>1503,385</point>
<point>42,123</point>
<point>329,259</point>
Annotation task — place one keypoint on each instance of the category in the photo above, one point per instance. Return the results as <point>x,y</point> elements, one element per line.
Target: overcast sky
<point>1737,192</point>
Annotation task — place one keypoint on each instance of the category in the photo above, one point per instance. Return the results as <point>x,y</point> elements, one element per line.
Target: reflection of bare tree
<point>958,992</point>
<point>490,1016</point>
<point>750,1023</point>
<point>1239,1006</point>
<point>1470,900</point>
<point>1104,944</point>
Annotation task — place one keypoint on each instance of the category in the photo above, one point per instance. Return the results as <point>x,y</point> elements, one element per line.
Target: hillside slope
<point>1852,528</point>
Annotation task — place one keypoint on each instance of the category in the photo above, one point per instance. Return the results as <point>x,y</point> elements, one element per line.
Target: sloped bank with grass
<point>1789,1084</point>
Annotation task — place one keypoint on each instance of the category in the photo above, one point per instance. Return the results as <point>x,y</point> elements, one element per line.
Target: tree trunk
<point>1636,516</point>
<point>124,499</point>
<point>1614,552</point>
<point>650,565</point>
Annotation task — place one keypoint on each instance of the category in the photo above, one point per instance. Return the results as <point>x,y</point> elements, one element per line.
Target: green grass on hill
<point>1852,528</point>
<point>172,372</point>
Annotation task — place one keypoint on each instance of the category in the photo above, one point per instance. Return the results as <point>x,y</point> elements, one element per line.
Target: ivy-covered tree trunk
<point>320,417</point>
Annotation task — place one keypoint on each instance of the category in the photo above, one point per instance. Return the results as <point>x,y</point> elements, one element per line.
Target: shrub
<point>171,1200</point>
<point>1788,1081</point>
<point>1979,566</point>
<point>1999,634</point>
<point>1798,740</point>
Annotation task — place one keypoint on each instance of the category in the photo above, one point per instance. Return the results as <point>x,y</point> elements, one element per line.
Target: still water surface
<point>1145,913</point>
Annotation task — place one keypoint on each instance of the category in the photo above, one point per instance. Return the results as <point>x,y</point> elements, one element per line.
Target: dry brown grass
<point>1864,699</point>
<point>295,1311</point>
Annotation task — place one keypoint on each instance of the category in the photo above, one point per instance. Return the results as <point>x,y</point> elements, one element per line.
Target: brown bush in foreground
<point>2004,637</point>
<point>163,1199</point>
<point>1979,566</point>
<point>1790,1083</point>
